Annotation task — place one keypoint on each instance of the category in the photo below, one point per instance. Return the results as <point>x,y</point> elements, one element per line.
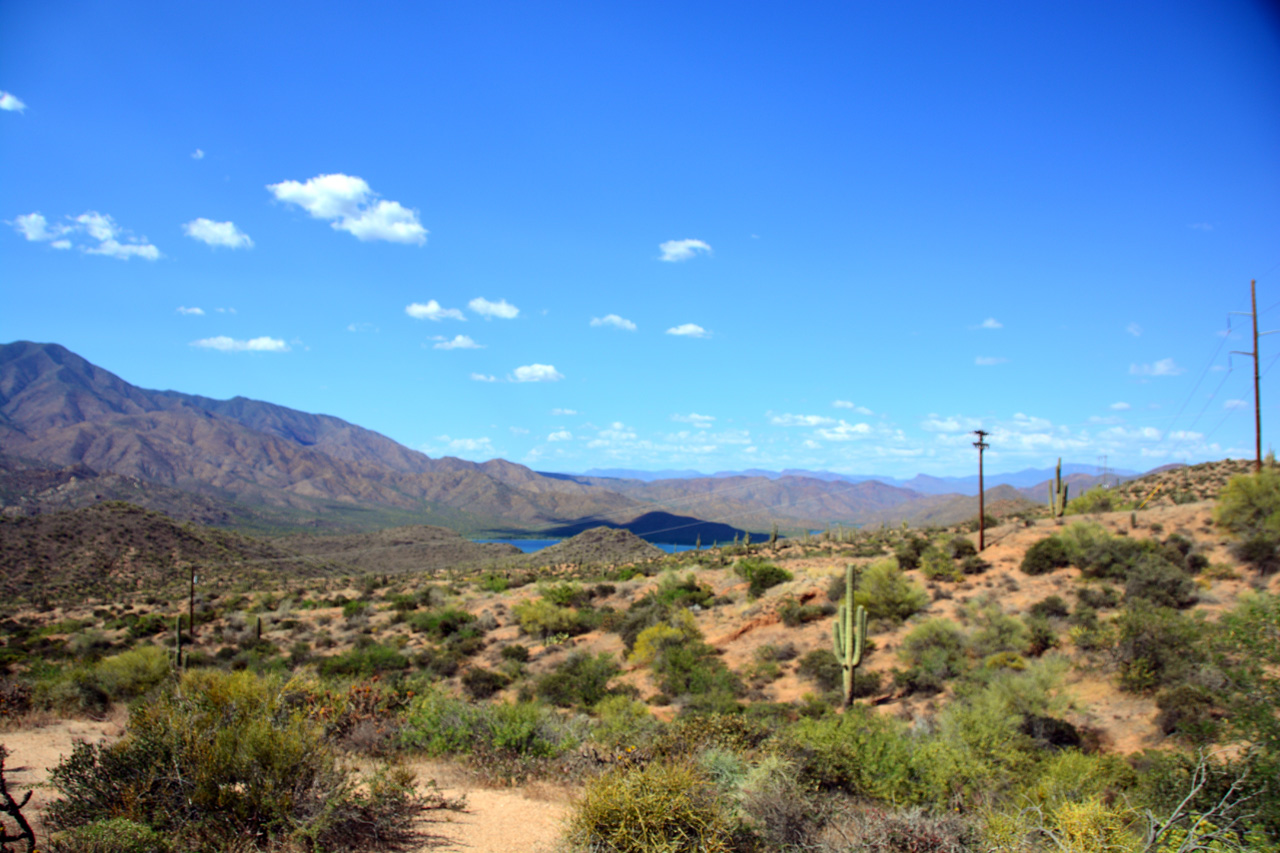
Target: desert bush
<point>481,683</point>
<point>875,829</point>
<point>440,623</point>
<point>1186,710</point>
<point>909,551</point>
<point>565,594</point>
<point>623,722</point>
<point>858,752</point>
<point>666,805</point>
<point>760,575</point>
<point>114,835</point>
<point>1049,608</point>
<point>1099,597</point>
<point>1041,635</point>
<point>1045,556</point>
<point>1160,582</point>
<point>580,680</point>
<point>933,652</point>
<point>439,724</point>
<point>793,613</point>
<point>935,564</point>
<point>960,547</point>
<point>1249,505</point>
<point>1156,645</point>
<point>229,757</point>
<point>1260,550</point>
<point>543,618</point>
<point>1097,499</point>
<point>887,593</point>
<point>822,668</point>
<point>515,652</point>
<point>363,661</point>
<point>132,673</point>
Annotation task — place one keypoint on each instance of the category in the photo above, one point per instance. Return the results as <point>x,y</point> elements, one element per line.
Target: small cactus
<point>1058,494</point>
<point>850,633</point>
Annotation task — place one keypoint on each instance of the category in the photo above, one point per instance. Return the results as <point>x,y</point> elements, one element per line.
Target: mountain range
<point>72,433</point>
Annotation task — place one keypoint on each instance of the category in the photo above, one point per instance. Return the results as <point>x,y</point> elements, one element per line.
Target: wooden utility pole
<point>191,604</point>
<point>982,506</point>
<point>1257,385</point>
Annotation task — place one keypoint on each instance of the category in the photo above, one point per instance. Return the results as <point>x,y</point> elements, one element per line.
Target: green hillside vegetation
<point>641,684</point>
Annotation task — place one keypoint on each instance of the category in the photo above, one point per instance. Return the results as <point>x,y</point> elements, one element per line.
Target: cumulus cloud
<point>10,103</point>
<point>563,412</point>
<point>349,204</point>
<point>801,420</point>
<point>480,377</point>
<point>1163,367</point>
<point>502,308</point>
<point>197,154</point>
<point>1234,404</point>
<point>1134,329</point>
<point>989,360</point>
<point>955,423</point>
<point>458,342</point>
<point>432,311</point>
<point>224,234</point>
<point>991,323</point>
<point>103,235</point>
<point>537,373</point>
<point>694,418</point>
<point>689,330</point>
<point>844,431</point>
<point>226,344</point>
<point>847,404</point>
<point>560,435</point>
<point>614,320</point>
<point>682,250</point>
<point>198,312</point>
<point>1120,407</point>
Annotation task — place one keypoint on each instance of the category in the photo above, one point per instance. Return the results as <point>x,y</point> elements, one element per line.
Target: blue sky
<point>720,236</point>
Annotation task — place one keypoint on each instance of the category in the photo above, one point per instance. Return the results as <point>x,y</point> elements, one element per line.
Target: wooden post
<point>982,506</point>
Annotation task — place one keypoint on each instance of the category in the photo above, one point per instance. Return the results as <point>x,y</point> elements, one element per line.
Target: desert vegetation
<point>1104,680</point>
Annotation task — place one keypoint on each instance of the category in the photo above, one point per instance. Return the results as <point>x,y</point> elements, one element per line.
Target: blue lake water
<point>528,546</point>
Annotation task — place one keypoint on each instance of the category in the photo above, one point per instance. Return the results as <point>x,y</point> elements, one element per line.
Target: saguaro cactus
<point>850,632</point>
<point>1058,493</point>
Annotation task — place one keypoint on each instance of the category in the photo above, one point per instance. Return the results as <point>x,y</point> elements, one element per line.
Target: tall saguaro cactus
<point>850,635</point>
<point>1058,494</point>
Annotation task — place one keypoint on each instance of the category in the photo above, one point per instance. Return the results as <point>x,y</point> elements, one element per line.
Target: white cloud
<point>689,330</point>
<point>432,311</point>
<point>614,320</point>
<point>35,227</point>
<point>989,360</point>
<point>11,103</point>
<point>1163,367</point>
<point>199,312</point>
<point>480,377</point>
<point>563,412</point>
<point>537,373</point>
<point>934,423</point>
<point>515,430</point>
<point>560,435</point>
<point>694,418</point>
<point>458,342</point>
<point>1119,407</point>
<point>1185,435</point>
<point>682,250</point>
<point>197,154</point>
<point>226,344</point>
<point>502,308</point>
<point>1234,404</point>
<point>801,420</point>
<point>225,310</point>
<point>991,323</point>
<point>1134,329</point>
<point>846,404</point>
<point>224,234</point>
<point>474,446</point>
<point>810,444</point>
<point>845,431</point>
<point>350,205</point>
<point>96,226</point>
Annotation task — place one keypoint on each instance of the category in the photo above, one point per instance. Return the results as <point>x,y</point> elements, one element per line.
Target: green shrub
<point>481,683</point>
<point>132,673</point>
<point>935,564</point>
<point>580,680</point>
<point>1186,710</point>
<point>822,668</point>
<point>1045,556</point>
<point>859,752</point>
<point>226,757</point>
<point>1260,550</point>
<point>623,722</point>
<point>1156,645</point>
<point>115,835</point>
<point>1158,581</point>
<point>960,547</point>
<point>760,575</point>
<point>909,551</point>
<point>567,594</point>
<point>933,652</point>
<point>1050,608</point>
<point>1097,499</point>
<point>515,652</point>
<point>440,624</point>
<point>439,724</point>
<point>887,593</point>
<point>794,614</point>
<point>543,619</point>
<point>663,806</point>
<point>355,608</point>
<point>364,661</point>
<point>1250,504</point>
<point>1099,597</point>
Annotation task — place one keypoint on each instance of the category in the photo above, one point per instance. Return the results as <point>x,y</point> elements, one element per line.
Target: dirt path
<point>496,820</point>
